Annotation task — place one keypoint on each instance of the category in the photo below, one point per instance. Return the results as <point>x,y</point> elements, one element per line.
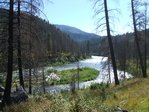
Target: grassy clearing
<point>81,74</point>
<point>131,95</point>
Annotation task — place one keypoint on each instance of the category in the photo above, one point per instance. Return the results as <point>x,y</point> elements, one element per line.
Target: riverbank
<point>131,95</point>
<point>65,58</point>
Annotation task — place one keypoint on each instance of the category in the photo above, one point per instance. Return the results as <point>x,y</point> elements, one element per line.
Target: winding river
<point>96,62</point>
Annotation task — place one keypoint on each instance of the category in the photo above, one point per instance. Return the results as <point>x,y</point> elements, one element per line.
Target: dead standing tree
<point>31,32</point>
<point>7,98</point>
<point>19,46</point>
<point>102,4</point>
<point>136,18</point>
<point>146,35</point>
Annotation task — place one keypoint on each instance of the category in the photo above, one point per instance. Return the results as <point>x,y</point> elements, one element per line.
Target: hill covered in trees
<point>77,34</point>
<point>40,39</point>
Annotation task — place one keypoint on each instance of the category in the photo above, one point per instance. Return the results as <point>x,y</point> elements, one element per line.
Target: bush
<point>51,71</point>
<point>94,86</point>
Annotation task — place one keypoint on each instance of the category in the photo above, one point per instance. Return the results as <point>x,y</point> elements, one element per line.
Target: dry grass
<point>132,95</point>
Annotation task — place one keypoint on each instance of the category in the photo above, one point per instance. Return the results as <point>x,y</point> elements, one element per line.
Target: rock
<point>19,95</point>
<point>120,110</point>
<point>125,111</point>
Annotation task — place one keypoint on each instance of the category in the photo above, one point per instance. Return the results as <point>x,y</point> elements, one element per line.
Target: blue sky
<point>76,13</point>
<point>79,14</point>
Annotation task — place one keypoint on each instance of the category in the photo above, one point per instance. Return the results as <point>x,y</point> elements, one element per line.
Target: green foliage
<point>131,95</point>
<point>72,75</point>
<point>133,68</point>
<point>51,70</point>
<point>85,74</point>
<point>63,58</point>
<point>63,91</point>
<point>95,86</point>
<point>101,87</point>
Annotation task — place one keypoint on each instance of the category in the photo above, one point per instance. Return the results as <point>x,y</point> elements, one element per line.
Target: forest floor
<point>131,94</point>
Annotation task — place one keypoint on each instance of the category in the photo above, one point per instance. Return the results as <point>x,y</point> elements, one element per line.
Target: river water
<point>97,62</point>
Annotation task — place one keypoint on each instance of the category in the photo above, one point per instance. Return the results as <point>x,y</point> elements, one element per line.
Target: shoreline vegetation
<point>131,95</point>
<point>65,58</point>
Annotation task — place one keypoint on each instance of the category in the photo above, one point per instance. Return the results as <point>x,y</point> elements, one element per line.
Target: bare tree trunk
<point>110,44</point>
<point>124,68</point>
<point>30,51</point>
<point>145,57</point>
<point>145,46</point>
<point>19,49</point>
<point>137,41</point>
<point>78,74</point>
<point>30,80</point>
<point>124,61</point>
<point>7,92</point>
<point>43,79</point>
<point>30,66</point>
<point>109,71</point>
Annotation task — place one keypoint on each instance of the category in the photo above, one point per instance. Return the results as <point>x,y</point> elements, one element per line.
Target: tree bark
<point>30,80</point>
<point>19,49</point>
<point>7,92</point>
<point>145,46</point>
<point>44,90</point>
<point>30,50</point>
<point>110,44</point>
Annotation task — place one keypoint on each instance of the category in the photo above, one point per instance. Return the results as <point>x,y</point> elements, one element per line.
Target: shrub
<point>51,70</point>
<point>94,86</point>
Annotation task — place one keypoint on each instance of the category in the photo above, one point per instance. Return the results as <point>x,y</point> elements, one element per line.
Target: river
<point>96,62</point>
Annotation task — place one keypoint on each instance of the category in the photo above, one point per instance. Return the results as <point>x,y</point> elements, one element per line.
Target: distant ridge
<point>71,29</point>
<point>77,34</point>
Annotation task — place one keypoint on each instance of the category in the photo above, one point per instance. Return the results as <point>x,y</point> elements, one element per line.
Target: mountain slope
<point>77,34</point>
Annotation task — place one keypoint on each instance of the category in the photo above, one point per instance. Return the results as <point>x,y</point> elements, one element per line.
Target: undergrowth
<point>131,95</point>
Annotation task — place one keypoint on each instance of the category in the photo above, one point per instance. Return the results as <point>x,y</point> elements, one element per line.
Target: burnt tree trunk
<point>43,76</point>
<point>7,92</point>
<point>145,46</point>
<point>19,49</point>
<point>110,44</point>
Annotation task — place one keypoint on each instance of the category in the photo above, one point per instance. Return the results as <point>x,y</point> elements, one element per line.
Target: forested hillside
<point>45,41</point>
<point>77,34</point>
